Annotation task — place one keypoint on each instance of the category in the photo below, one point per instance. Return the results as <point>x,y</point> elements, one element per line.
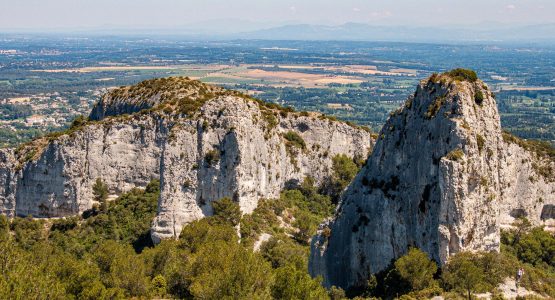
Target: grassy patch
<point>455,155</point>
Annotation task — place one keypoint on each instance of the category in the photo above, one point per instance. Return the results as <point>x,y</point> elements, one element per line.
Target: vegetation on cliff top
<point>462,75</point>
<point>166,96</point>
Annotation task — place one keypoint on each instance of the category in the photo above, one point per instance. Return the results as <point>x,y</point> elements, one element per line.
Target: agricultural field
<point>45,82</point>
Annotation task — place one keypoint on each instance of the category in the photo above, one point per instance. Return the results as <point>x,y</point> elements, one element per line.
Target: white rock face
<point>254,160</point>
<point>59,182</point>
<point>441,178</point>
<point>232,147</point>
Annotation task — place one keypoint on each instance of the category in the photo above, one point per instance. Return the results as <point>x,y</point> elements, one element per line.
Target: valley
<point>45,82</point>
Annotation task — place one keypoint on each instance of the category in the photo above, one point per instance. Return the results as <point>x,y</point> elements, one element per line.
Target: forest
<point>106,253</point>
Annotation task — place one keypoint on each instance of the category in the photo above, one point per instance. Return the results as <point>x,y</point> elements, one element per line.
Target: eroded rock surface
<point>443,177</point>
<point>203,142</point>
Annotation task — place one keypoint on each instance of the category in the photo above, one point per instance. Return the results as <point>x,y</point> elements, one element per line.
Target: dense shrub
<point>226,211</point>
<point>102,257</point>
<point>463,75</point>
<point>292,283</point>
<point>344,170</point>
<point>416,269</point>
<point>100,190</point>
<point>534,246</point>
<point>294,139</point>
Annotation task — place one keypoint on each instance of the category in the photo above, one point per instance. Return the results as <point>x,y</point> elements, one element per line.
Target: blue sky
<point>255,14</point>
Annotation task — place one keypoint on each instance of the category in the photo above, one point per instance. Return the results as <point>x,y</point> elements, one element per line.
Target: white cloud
<point>356,9</point>
<point>510,6</point>
<point>293,9</point>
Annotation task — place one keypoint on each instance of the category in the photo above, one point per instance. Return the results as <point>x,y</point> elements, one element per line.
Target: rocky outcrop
<point>233,152</point>
<point>203,142</point>
<point>148,94</point>
<point>443,177</point>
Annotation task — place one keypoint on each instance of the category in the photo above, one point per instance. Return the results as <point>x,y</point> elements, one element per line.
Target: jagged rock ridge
<point>443,177</point>
<point>203,142</point>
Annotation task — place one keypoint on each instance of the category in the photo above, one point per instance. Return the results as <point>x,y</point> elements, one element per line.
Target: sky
<point>44,15</point>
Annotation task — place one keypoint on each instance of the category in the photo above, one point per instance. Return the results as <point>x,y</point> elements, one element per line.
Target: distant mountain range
<point>366,32</point>
<point>229,29</point>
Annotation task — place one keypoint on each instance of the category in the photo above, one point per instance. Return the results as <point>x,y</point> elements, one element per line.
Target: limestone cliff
<point>203,142</point>
<point>443,177</point>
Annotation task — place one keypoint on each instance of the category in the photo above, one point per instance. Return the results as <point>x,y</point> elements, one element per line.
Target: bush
<point>201,232</point>
<point>226,212</point>
<point>480,141</point>
<point>455,155</point>
<point>463,75</point>
<point>64,224</point>
<point>292,283</point>
<point>212,157</point>
<point>4,227</point>
<point>344,170</point>
<point>479,97</point>
<point>78,122</point>
<point>294,139</point>
<point>226,270</point>
<point>121,268</point>
<point>281,251</point>
<point>534,246</point>
<point>417,269</point>
<point>100,190</point>
<point>463,274</point>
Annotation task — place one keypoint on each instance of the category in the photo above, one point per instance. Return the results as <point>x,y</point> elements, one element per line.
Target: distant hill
<point>365,32</point>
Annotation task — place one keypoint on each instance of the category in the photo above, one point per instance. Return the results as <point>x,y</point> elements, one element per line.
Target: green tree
<point>522,225</point>
<point>292,283</point>
<point>282,250</point>
<point>121,269</point>
<point>159,286</point>
<point>226,211</point>
<point>462,273</point>
<point>100,192</point>
<point>536,247</point>
<point>199,233</point>
<point>306,225</point>
<point>344,170</point>
<point>336,293</point>
<point>224,270</point>
<point>417,269</point>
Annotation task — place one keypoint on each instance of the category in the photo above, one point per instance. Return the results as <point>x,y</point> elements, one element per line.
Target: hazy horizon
<point>218,16</point>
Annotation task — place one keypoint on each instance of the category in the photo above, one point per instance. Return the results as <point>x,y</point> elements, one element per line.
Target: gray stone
<point>441,178</point>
